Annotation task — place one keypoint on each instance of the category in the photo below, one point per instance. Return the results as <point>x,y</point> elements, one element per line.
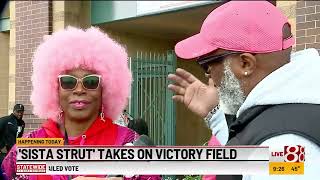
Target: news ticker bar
<point>147,168</point>
<point>204,160</point>
<point>132,153</point>
<point>163,168</point>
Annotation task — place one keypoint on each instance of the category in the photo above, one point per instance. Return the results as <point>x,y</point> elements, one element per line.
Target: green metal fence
<point>150,97</point>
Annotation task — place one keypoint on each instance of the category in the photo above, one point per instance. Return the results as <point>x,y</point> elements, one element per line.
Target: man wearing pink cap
<point>245,49</point>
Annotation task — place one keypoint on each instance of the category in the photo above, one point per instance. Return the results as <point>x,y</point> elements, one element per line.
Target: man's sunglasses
<point>206,61</point>
<point>89,82</point>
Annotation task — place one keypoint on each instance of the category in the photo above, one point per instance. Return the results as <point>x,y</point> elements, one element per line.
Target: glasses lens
<point>68,82</point>
<point>91,82</point>
<point>205,67</point>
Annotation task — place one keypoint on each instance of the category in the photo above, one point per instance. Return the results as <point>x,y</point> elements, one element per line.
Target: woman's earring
<point>246,73</point>
<point>60,115</point>
<point>102,114</point>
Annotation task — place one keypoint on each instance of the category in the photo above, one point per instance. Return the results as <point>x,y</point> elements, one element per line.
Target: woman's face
<point>80,102</point>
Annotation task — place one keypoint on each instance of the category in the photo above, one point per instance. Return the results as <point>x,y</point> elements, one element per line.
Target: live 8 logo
<point>294,153</point>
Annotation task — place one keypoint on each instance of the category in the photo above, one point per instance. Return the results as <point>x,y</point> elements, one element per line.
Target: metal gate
<point>150,97</point>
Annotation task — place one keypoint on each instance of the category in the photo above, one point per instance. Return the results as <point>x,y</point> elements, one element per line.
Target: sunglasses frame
<point>79,80</point>
<point>204,62</point>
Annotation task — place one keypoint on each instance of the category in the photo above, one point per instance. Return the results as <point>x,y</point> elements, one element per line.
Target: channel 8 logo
<point>294,153</point>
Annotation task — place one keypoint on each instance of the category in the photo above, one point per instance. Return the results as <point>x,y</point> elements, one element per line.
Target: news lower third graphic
<point>49,156</point>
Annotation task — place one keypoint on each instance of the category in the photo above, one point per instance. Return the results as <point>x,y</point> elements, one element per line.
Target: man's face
<point>18,114</point>
<point>230,92</point>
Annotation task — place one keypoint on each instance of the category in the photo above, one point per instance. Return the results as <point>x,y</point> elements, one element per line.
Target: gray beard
<point>230,93</point>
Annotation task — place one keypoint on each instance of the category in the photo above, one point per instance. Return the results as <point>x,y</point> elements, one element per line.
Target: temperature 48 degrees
<point>295,168</point>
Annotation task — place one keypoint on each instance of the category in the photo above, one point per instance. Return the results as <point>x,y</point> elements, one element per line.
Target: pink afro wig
<point>88,49</point>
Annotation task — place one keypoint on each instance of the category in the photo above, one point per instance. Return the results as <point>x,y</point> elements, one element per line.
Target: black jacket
<point>260,123</point>
<point>22,125</point>
<point>8,131</point>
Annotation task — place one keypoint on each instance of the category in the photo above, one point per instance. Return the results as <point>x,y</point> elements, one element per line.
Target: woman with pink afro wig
<point>74,48</point>
<point>81,82</point>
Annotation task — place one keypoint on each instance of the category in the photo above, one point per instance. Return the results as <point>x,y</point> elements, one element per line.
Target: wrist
<point>210,114</point>
<point>208,110</point>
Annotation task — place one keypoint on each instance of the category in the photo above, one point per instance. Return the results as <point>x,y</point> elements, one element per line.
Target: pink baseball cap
<point>245,26</point>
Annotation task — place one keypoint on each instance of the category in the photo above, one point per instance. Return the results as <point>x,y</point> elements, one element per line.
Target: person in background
<point>76,74</point>
<point>123,119</point>
<point>139,125</point>
<point>3,4</point>
<point>11,127</point>
<point>273,94</point>
<point>20,122</point>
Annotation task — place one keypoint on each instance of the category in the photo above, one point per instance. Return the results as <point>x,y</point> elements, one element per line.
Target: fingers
<point>176,89</point>
<point>179,91</point>
<point>178,80</point>
<point>182,77</point>
<point>178,98</point>
<point>186,75</point>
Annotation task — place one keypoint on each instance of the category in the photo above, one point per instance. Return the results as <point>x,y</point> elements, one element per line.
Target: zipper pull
<point>83,138</point>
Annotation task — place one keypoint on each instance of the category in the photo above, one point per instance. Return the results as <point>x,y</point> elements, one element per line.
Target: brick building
<point>24,23</point>
<point>308,24</point>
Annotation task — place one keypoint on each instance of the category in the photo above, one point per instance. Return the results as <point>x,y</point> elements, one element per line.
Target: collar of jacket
<point>245,118</point>
<point>99,129</point>
<point>13,116</point>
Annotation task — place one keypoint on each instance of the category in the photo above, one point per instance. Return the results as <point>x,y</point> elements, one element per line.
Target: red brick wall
<point>33,21</point>
<point>308,24</point>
